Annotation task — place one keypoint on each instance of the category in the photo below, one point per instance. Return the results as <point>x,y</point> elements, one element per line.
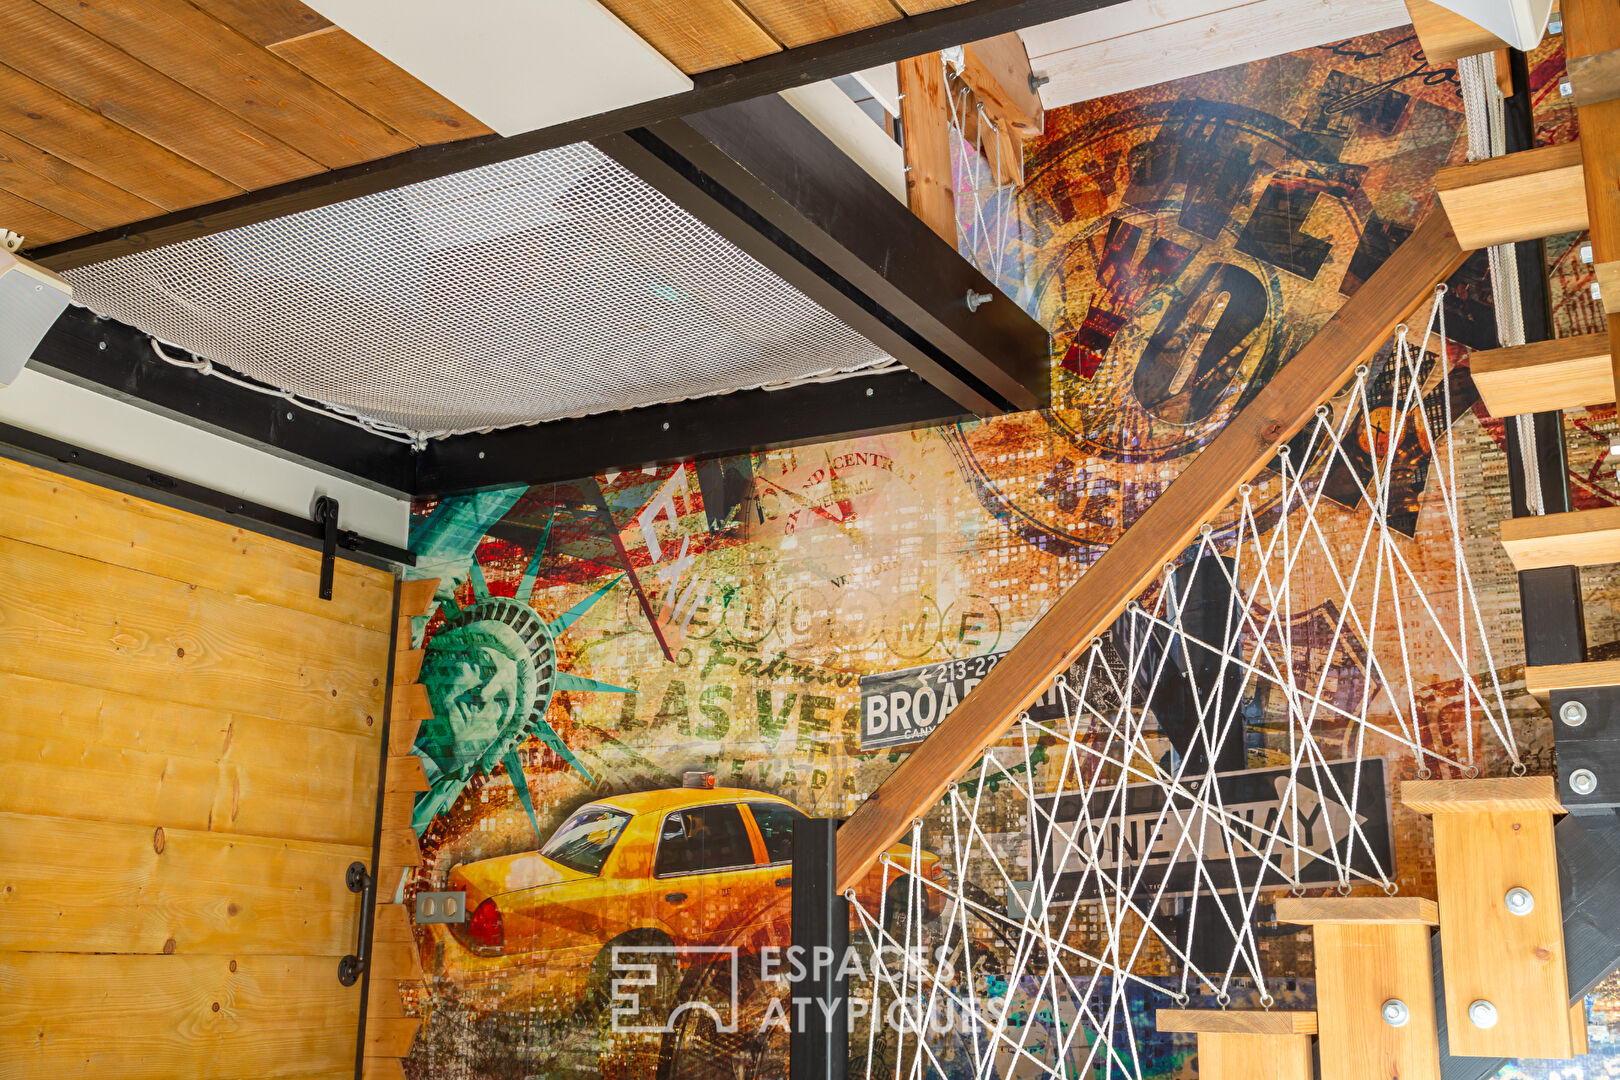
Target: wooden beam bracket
<point>1501,923</point>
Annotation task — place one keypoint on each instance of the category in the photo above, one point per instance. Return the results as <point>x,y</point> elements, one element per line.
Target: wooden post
<point>1494,839</point>
<point>925,117</point>
<point>1591,28</point>
<point>1203,489</point>
<point>1372,953</point>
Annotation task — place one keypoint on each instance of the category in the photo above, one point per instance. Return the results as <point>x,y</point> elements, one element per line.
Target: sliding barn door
<point>189,746</point>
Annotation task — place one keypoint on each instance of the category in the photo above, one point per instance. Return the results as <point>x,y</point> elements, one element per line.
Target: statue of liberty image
<point>491,669</point>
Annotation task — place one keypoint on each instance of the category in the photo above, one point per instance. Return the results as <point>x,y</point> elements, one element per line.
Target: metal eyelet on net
<point>1223,999</point>
<point>1471,771</point>
<point>1425,772</point>
<point>1323,412</point>
<point>849,894</point>
<point>1361,372</point>
<point>1520,768</point>
<point>1266,1000</point>
<point>1343,889</point>
<point>1391,888</point>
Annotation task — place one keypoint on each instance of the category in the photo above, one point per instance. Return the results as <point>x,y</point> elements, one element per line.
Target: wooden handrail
<point>1242,449</point>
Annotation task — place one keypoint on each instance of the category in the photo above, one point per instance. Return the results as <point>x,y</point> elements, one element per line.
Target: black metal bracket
<point>42,451</point>
<point>819,1044</point>
<point>326,517</point>
<point>359,880</point>
<point>1588,725</point>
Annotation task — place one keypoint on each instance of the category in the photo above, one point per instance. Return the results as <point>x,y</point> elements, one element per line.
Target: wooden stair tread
<point>1398,910</point>
<point>1237,1021</point>
<point>1481,795</point>
<point>1522,196</point>
<point>1577,538</point>
<point>1541,679</point>
<point>1545,376</point>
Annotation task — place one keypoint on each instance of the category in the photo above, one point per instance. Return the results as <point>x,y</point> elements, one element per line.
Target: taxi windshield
<point>585,841</point>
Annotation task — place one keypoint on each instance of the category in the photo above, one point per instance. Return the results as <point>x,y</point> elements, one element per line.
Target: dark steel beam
<point>818,1048</point>
<point>910,36</point>
<point>44,452</point>
<point>737,423</point>
<point>118,360</point>
<point>766,178</point>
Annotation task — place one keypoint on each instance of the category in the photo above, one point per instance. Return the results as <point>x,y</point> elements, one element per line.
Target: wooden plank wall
<point>190,747</point>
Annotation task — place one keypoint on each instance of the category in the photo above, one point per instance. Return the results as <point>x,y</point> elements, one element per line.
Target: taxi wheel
<point>597,1003</point>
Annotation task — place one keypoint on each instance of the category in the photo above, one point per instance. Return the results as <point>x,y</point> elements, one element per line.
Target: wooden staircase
<point>1505,981</point>
<point>396,962</point>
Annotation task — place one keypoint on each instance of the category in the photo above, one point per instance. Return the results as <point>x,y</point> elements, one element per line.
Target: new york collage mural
<point>602,645</point>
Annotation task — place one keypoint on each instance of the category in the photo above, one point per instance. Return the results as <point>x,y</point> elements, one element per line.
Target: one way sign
<point>1124,839</point>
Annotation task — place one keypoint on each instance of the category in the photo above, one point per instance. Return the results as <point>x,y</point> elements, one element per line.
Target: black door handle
<point>784,883</point>
<point>675,897</point>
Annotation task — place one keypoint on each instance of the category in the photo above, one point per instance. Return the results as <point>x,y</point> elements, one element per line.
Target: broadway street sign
<point>900,708</point>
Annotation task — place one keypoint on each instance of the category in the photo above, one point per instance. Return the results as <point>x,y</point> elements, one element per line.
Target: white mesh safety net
<point>550,286</point>
<point>1112,861</point>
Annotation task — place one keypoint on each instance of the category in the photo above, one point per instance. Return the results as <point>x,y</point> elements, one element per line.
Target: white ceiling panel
<point>1146,42</point>
<point>517,65</point>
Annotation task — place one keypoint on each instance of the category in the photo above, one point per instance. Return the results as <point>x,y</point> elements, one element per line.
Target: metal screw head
<point>102,345</point>
<point>1572,713</point>
<point>1519,901</point>
<point>1396,1014</point>
<point>868,391</point>
<point>1482,1013</point>
<point>1582,781</point>
<point>976,300</point>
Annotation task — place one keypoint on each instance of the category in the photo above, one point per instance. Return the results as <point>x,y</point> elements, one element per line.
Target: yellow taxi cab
<point>677,869</point>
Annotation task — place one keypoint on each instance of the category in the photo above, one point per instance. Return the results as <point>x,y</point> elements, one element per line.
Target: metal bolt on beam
<point>1519,901</point>
<point>1573,713</point>
<point>1395,1012</point>
<point>1583,781</point>
<point>1482,1013</point>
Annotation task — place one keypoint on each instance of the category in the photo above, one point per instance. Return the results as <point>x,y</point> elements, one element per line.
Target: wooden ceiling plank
<point>918,7</point>
<point>339,60</point>
<point>36,224</point>
<point>804,22</point>
<point>266,22</point>
<point>696,35</point>
<point>66,189</point>
<point>61,126</point>
<point>53,51</point>
<point>199,51</point>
